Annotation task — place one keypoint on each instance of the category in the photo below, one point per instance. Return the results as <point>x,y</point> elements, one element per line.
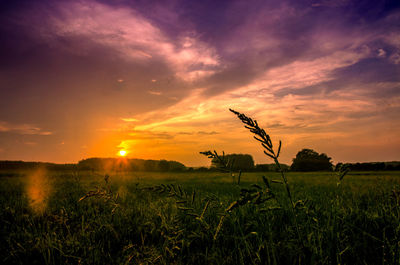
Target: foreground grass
<point>132,220</point>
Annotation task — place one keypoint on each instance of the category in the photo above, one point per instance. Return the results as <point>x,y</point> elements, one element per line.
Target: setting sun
<point>122,153</point>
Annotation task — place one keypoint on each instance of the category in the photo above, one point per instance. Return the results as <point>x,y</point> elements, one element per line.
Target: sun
<point>122,153</point>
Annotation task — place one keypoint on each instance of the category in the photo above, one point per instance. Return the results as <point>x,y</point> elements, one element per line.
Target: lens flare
<point>38,190</point>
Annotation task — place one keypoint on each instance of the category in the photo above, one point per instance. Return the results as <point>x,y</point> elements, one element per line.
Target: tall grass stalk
<point>265,140</point>
<point>223,164</point>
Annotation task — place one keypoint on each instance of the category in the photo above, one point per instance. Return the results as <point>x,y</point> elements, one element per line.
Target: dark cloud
<point>372,10</point>
<point>369,70</point>
<point>290,33</point>
<point>367,74</point>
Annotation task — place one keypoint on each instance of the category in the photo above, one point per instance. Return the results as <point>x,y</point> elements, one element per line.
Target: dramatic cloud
<point>158,78</point>
<point>133,37</point>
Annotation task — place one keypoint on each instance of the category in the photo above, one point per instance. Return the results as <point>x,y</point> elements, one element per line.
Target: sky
<point>88,78</point>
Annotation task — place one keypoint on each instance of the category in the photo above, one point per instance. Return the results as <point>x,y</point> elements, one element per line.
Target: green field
<point>45,218</point>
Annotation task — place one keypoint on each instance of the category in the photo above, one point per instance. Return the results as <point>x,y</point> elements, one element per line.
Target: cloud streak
<point>24,129</point>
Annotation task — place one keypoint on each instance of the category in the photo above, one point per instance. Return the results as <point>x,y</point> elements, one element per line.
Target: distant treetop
<point>310,160</point>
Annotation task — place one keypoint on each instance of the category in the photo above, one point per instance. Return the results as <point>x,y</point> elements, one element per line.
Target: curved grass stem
<point>265,139</point>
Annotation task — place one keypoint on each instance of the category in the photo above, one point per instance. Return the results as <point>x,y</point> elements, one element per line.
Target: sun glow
<point>122,153</point>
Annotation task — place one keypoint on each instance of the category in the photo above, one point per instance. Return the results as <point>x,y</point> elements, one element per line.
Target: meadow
<point>56,217</point>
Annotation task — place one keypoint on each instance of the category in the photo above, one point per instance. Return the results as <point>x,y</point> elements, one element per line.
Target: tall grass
<point>152,225</point>
<point>265,140</point>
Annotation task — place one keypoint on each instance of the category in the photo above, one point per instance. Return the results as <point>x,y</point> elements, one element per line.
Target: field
<point>50,217</point>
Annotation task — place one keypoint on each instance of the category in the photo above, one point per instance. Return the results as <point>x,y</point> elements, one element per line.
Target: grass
<point>357,223</point>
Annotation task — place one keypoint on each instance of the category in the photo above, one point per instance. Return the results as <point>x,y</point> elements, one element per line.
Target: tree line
<point>305,160</point>
<point>114,164</point>
<point>100,164</point>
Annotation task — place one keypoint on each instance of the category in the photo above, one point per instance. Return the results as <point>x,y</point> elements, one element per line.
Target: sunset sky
<point>82,79</point>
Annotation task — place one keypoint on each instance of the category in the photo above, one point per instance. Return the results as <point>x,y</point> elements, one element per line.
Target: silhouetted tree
<point>370,166</point>
<point>163,165</point>
<point>176,166</point>
<point>270,167</point>
<point>309,160</point>
<point>150,165</point>
<point>237,161</point>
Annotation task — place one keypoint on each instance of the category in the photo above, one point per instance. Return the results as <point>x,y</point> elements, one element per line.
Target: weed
<point>104,192</point>
<point>223,164</point>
